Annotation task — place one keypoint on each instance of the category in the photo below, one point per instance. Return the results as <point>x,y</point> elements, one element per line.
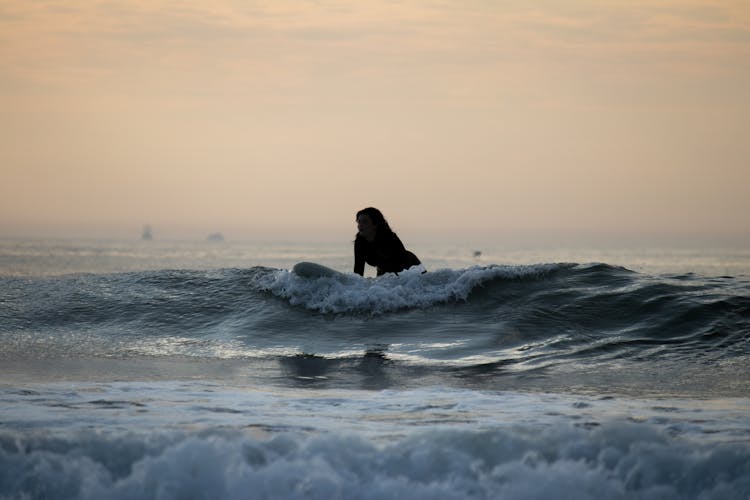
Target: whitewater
<point>210,370</point>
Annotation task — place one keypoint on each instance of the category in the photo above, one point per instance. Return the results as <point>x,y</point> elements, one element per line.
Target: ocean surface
<point>179,370</point>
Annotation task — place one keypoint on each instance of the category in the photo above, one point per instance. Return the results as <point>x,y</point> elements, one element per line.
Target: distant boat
<point>215,237</point>
<point>147,235</point>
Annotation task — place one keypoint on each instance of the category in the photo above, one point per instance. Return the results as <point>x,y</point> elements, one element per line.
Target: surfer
<point>376,244</point>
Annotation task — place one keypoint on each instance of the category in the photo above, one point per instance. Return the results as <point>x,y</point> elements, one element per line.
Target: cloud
<point>288,40</point>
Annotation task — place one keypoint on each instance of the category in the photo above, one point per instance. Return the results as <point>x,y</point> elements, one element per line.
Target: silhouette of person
<point>377,245</point>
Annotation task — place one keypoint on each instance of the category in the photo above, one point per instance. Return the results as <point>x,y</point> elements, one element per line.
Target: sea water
<point>210,370</point>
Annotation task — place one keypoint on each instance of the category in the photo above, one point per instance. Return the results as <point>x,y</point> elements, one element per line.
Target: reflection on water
<point>366,372</point>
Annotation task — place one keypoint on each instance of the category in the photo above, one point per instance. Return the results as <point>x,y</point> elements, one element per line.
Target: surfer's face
<point>366,228</point>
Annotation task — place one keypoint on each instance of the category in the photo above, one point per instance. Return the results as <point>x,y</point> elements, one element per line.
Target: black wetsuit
<point>387,253</point>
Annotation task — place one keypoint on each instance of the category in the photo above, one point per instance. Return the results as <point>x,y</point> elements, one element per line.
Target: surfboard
<point>313,270</point>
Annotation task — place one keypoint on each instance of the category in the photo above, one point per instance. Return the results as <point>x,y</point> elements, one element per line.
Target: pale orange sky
<point>282,118</point>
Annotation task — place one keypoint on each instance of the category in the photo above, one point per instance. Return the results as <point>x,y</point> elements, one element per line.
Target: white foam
<point>616,461</point>
<point>409,289</point>
<point>205,440</point>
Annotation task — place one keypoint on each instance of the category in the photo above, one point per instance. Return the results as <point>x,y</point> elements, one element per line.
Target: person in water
<point>376,244</point>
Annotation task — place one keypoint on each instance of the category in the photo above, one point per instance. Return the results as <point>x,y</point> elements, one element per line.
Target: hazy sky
<point>282,118</point>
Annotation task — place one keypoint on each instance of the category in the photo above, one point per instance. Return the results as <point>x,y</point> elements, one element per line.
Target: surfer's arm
<point>359,259</point>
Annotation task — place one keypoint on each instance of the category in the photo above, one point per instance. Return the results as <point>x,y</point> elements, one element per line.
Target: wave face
<point>515,317</point>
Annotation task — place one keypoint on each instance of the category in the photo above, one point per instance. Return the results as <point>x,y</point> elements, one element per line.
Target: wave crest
<point>350,293</point>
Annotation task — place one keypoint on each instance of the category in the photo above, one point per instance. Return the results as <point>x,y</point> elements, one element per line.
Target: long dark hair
<point>377,218</point>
